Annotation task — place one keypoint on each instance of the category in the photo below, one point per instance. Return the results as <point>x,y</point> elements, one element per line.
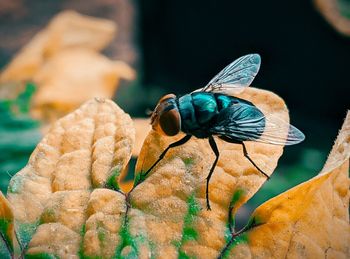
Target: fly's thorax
<point>188,117</point>
<point>166,118</point>
<point>197,111</point>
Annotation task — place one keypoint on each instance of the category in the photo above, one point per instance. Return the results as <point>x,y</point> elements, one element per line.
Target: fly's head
<point>166,118</point>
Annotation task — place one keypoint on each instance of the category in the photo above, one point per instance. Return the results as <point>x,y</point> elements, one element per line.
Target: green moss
<point>4,252</point>
<point>4,226</point>
<point>139,178</point>
<point>25,231</point>
<point>129,245</point>
<point>16,184</point>
<point>188,161</point>
<point>101,233</point>
<point>188,230</point>
<point>19,135</point>
<point>23,99</point>
<point>241,239</point>
<point>240,236</point>
<point>126,241</point>
<point>183,255</point>
<point>81,250</point>
<point>41,256</point>
<point>83,230</point>
<point>190,233</point>
<point>236,197</point>
<point>233,241</point>
<point>6,244</point>
<point>112,181</point>
<point>48,215</point>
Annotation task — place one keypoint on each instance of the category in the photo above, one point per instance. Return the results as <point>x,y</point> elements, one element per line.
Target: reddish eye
<point>170,122</point>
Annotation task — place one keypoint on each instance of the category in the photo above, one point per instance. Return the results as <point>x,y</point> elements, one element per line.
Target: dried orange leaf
<point>142,128</point>
<point>66,30</point>
<point>7,234</point>
<point>64,62</point>
<point>67,201</point>
<point>168,208</point>
<point>310,220</point>
<point>62,200</point>
<point>70,29</point>
<point>336,13</point>
<point>70,78</point>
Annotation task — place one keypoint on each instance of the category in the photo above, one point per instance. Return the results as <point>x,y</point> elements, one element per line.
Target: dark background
<point>305,61</point>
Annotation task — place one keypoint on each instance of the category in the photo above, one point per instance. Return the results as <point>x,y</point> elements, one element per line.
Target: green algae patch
<point>4,252</point>
<point>112,181</point>
<point>237,196</point>
<point>128,246</point>
<point>25,231</point>
<point>241,239</point>
<point>188,161</point>
<point>41,256</point>
<point>19,133</point>
<point>24,98</point>
<point>7,234</point>
<point>6,243</point>
<point>5,227</point>
<point>101,233</point>
<point>16,184</point>
<point>188,231</point>
<point>139,178</point>
<point>81,249</point>
<point>183,255</point>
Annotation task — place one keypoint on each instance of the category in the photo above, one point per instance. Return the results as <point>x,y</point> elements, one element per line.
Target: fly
<point>213,111</point>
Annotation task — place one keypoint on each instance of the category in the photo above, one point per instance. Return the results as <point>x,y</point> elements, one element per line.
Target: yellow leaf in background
<point>70,78</point>
<point>70,29</point>
<point>310,220</point>
<point>66,30</point>
<point>64,63</point>
<point>335,13</point>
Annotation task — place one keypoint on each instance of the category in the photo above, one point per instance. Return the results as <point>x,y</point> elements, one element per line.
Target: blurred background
<point>146,49</point>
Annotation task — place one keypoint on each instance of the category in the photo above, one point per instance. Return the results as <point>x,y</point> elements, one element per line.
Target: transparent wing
<point>279,132</point>
<point>236,76</point>
<point>246,124</point>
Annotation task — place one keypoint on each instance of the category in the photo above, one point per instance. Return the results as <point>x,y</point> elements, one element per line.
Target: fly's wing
<point>279,132</point>
<point>236,76</point>
<point>248,123</point>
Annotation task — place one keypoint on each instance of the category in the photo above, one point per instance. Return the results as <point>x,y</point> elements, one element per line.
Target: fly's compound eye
<point>170,122</point>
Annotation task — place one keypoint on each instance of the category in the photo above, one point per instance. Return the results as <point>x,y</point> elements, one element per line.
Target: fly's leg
<point>175,144</point>
<point>216,152</point>
<point>245,152</point>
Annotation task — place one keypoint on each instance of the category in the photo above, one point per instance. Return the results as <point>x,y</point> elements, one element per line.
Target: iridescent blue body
<point>211,112</point>
<point>202,113</point>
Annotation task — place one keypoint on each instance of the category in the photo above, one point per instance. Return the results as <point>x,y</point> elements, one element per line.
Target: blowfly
<point>214,111</point>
